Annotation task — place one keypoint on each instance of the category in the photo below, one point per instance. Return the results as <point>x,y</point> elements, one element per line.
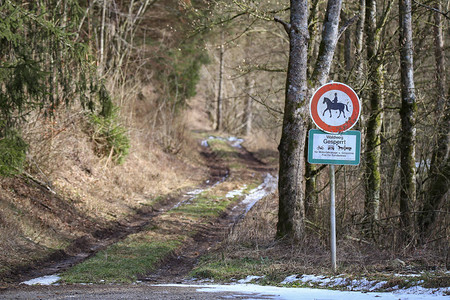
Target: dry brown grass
<point>254,237</point>
<point>70,192</point>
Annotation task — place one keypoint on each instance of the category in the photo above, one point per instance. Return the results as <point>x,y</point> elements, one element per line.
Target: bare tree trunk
<point>319,77</point>
<point>313,32</point>
<point>248,114</point>
<point>408,119</point>
<point>359,36</point>
<point>102,40</point>
<point>291,180</point>
<point>311,194</point>
<point>439,174</point>
<point>359,59</point>
<point>219,92</point>
<point>347,47</point>
<point>292,145</point>
<point>375,119</point>
<point>328,43</point>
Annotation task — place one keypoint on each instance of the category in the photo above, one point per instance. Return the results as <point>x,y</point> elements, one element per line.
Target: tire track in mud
<point>176,266</point>
<point>209,236</point>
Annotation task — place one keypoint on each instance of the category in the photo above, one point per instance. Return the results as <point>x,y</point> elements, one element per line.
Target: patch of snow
<point>337,282</point>
<point>195,192</point>
<point>235,142</point>
<point>363,284</point>
<point>312,278</point>
<point>266,188</point>
<point>249,278</point>
<point>251,291</point>
<point>44,280</point>
<point>290,279</point>
<point>238,192</point>
<point>378,285</point>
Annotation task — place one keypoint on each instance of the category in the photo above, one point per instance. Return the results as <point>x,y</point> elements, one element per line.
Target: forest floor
<point>218,247</point>
<point>229,166</point>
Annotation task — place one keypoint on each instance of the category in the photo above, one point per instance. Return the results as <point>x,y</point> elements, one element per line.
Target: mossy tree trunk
<point>439,174</point>
<point>373,30</point>
<point>291,184</point>
<point>311,195</point>
<point>319,77</point>
<point>408,120</point>
<point>291,171</point>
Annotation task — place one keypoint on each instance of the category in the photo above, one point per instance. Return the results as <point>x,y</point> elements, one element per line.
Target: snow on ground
<point>249,278</point>
<point>269,186</point>
<point>192,195</point>
<point>235,142</point>
<point>44,280</point>
<point>270,292</point>
<point>238,192</point>
<point>362,284</point>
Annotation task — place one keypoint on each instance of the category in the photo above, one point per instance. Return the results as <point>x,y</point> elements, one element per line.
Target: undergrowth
<point>109,136</point>
<point>123,261</point>
<point>12,153</point>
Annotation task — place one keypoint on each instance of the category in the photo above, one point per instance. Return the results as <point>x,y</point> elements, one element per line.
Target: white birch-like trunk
<point>408,120</point>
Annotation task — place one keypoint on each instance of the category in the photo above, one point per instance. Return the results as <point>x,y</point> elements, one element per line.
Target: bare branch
<point>445,14</point>
<point>347,25</point>
<point>265,105</point>
<point>286,26</point>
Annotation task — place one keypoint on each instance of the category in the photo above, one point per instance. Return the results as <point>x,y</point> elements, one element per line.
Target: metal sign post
<point>333,218</point>
<point>334,108</point>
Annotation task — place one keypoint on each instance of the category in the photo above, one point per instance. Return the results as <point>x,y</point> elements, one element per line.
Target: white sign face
<point>339,149</point>
<point>335,107</point>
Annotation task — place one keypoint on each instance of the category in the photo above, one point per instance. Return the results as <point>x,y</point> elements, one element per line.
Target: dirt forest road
<point>172,270</point>
<point>116,292</point>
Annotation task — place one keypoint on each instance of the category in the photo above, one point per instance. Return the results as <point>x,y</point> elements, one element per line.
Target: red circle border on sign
<point>349,92</point>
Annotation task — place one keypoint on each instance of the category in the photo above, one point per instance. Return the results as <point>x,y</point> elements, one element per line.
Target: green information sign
<point>334,149</point>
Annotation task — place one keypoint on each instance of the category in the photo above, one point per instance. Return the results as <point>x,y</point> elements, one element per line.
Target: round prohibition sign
<point>335,107</point>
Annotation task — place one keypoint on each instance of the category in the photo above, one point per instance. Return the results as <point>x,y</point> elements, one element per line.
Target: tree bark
<point>319,77</point>
<point>375,119</point>
<point>359,36</point>
<point>248,115</point>
<point>408,119</point>
<point>291,184</point>
<point>347,48</point>
<point>219,92</point>
<point>102,40</point>
<point>328,43</point>
<point>439,174</point>
<point>291,172</point>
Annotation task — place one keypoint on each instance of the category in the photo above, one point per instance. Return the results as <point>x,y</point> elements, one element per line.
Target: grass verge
<point>123,261</point>
<point>142,252</point>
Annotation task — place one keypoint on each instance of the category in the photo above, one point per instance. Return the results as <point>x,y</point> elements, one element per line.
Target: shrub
<point>109,136</point>
<point>12,153</point>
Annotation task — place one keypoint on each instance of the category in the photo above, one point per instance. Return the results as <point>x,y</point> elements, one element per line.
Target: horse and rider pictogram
<point>335,107</point>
